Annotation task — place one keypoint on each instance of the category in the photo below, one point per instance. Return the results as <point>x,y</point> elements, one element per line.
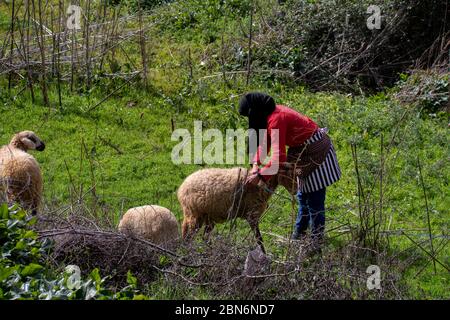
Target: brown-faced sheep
<point>211,196</point>
<point>154,223</point>
<point>20,175</point>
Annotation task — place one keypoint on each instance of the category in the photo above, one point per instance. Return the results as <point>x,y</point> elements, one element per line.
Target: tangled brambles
<point>296,273</point>
<point>78,241</point>
<point>225,266</point>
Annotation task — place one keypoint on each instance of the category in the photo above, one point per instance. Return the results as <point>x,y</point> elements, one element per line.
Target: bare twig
<point>428,211</point>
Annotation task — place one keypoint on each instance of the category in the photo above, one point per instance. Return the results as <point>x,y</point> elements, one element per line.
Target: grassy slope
<point>144,173</point>
<point>138,121</point>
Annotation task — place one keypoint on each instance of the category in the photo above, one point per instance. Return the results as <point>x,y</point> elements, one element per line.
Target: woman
<point>310,152</point>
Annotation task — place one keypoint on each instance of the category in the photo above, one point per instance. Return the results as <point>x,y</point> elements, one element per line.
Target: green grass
<point>137,121</point>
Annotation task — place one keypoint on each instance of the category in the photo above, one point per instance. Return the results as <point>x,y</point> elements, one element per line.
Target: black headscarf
<point>257,107</point>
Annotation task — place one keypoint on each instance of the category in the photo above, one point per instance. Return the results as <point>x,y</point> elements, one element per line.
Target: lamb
<point>20,174</point>
<point>154,223</point>
<point>211,196</point>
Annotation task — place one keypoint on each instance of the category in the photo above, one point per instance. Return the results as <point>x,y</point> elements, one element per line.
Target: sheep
<point>213,195</point>
<point>20,174</point>
<point>154,223</point>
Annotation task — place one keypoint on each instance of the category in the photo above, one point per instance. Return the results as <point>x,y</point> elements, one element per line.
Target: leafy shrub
<point>326,44</point>
<point>24,274</point>
<point>205,17</point>
<point>134,5</point>
<point>429,89</point>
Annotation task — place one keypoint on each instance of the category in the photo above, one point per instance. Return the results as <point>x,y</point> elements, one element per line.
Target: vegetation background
<point>106,99</point>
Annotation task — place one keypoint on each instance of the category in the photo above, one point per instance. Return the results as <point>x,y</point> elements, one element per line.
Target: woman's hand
<point>253,177</point>
<point>255,169</point>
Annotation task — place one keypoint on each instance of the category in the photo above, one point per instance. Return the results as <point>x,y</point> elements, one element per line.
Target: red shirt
<point>293,130</point>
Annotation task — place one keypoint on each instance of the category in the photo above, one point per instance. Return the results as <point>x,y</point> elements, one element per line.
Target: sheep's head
<point>267,188</point>
<point>27,140</point>
<point>287,177</point>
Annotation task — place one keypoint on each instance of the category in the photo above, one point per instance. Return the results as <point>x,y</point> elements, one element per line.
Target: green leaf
<point>32,221</point>
<point>30,234</point>
<point>20,245</point>
<point>4,214</point>
<point>95,276</point>
<point>31,269</point>
<point>131,280</point>
<point>20,215</point>
<point>6,272</point>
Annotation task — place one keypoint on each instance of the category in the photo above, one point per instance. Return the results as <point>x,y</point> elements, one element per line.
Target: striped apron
<point>323,173</point>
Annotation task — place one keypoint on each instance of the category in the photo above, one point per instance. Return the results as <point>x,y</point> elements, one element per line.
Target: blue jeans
<point>311,211</point>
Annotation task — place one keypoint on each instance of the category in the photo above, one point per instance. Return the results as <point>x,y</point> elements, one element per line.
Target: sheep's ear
<point>28,143</point>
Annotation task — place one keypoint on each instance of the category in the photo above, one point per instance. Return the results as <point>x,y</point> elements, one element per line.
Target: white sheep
<point>20,174</point>
<point>154,223</point>
<point>211,196</point>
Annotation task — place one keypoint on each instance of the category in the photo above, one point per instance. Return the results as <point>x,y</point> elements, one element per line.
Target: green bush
<point>24,274</point>
<point>326,44</point>
<point>134,5</point>
<point>428,89</point>
<point>203,18</point>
